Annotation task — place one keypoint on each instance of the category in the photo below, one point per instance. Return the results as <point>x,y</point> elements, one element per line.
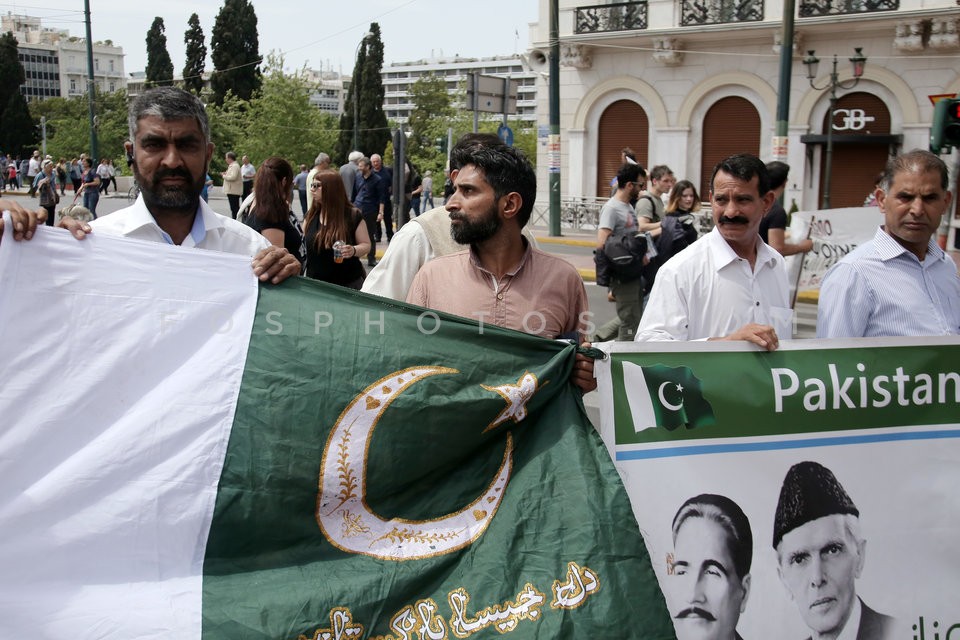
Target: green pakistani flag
<point>674,397</point>
<point>298,461</point>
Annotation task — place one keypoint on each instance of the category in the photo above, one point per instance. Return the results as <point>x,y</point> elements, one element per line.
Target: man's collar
<point>139,216</point>
<point>888,248</point>
<point>475,259</point>
<point>723,253</point>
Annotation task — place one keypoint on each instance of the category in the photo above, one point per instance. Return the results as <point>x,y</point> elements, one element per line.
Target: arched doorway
<point>732,125</point>
<point>861,146</point>
<point>623,124</point>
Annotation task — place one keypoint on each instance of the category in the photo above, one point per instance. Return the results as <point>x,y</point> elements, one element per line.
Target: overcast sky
<point>322,34</point>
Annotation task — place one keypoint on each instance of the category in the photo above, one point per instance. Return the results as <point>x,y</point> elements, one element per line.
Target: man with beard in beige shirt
<point>501,279</point>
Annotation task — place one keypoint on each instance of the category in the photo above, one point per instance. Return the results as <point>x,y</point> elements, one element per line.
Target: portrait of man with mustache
<point>708,577</point>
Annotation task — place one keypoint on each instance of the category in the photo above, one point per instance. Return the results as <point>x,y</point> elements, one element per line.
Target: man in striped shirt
<point>901,283</point>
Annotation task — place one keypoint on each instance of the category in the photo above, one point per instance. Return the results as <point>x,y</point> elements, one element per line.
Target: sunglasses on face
<point>314,185</point>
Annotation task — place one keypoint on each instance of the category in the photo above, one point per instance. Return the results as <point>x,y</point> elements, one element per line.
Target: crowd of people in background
<point>77,174</point>
<point>729,284</point>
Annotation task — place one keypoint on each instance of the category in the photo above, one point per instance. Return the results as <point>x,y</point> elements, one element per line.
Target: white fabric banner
<point>796,441</point>
<point>835,233</point>
<point>70,461</point>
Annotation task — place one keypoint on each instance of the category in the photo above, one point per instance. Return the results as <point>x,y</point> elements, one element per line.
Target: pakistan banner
<point>811,491</point>
<point>186,455</point>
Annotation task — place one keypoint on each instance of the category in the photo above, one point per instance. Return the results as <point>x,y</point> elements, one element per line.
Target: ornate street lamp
<point>356,90</point>
<point>811,62</point>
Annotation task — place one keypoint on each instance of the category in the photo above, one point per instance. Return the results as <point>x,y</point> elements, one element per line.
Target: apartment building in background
<point>55,63</point>
<point>399,77</point>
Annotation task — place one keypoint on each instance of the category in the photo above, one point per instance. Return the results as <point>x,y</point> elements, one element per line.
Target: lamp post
<point>811,62</point>
<point>356,90</point>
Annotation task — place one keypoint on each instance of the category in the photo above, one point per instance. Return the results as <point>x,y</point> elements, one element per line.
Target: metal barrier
<point>583,214</point>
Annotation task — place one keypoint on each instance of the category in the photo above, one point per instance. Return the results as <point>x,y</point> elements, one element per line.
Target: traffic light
<point>945,132</point>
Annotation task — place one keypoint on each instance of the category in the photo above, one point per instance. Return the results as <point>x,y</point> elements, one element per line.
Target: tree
<point>196,56</point>
<point>282,122</point>
<point>68,125</point>
<point>373,131</point>
<point>236,51</point>
<point>228,122</point>
<point>17,130</point>
<point>433,113</point>
<point>159,65</point>
<point>279,120</point>
<point>345,141</point>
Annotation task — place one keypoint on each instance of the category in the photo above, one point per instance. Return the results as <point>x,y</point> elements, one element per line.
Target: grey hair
<point>168,103</point>
<point>321,158</point>
<point>354,156</point>
<point>916,161</point>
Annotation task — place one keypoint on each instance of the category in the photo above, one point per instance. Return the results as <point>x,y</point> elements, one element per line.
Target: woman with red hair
<point>335,234</point>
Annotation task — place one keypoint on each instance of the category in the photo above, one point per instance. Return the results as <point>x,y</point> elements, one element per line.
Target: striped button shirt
<point>882,289</point>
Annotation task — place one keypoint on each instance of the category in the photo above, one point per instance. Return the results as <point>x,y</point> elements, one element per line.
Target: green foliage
<point>373,131</point>
<point>159,66</point>
<point>432,115</point>
<point>68,125</point>
<point>17,130</point>
<point>236,51</point>
<point>11,71</point>
<point>436,111</point>
<point>196,56</point>
<point>227,125</point>
<point>278,121</point>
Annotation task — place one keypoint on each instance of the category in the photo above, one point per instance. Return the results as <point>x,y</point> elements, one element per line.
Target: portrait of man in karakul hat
<point>820,555</point>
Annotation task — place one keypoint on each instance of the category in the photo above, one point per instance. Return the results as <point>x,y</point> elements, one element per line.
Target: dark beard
<point>467,232</point>
<point>183,199</point>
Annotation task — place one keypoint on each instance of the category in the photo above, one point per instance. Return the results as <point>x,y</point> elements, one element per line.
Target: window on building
<point>96,64</point>
<point>113,87</point>
<point>111,68</point>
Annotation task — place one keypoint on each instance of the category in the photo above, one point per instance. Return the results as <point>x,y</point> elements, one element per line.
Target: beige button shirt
<point>543,295</point>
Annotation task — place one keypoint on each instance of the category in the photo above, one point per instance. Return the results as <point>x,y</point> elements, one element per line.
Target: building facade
<point>688,82</point>
<point>398,79</point>
<point>55,64</point>
<point>327,90</point>
<point>108,72</point>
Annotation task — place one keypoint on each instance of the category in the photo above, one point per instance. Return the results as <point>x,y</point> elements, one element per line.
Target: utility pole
<point>94,151</point>
<point>553,142</point>
<point>781,138</point>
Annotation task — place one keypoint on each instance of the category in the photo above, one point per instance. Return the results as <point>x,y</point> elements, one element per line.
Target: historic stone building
<point>687,82</point>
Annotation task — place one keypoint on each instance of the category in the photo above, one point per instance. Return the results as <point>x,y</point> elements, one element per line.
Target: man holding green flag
<point>249,462</point>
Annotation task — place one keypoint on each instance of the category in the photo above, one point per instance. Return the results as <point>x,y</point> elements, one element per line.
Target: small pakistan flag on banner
<point>673,399</point>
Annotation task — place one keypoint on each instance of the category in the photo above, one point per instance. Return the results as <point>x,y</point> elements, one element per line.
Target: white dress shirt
<point>707,291</point>
<point>409,250</point>
<point>882,289</point>
<point>210,230</point>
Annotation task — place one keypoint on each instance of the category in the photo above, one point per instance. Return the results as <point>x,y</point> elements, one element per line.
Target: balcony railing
<point>701,12</point>
<point>814,8</point>
<point>623,16</point>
